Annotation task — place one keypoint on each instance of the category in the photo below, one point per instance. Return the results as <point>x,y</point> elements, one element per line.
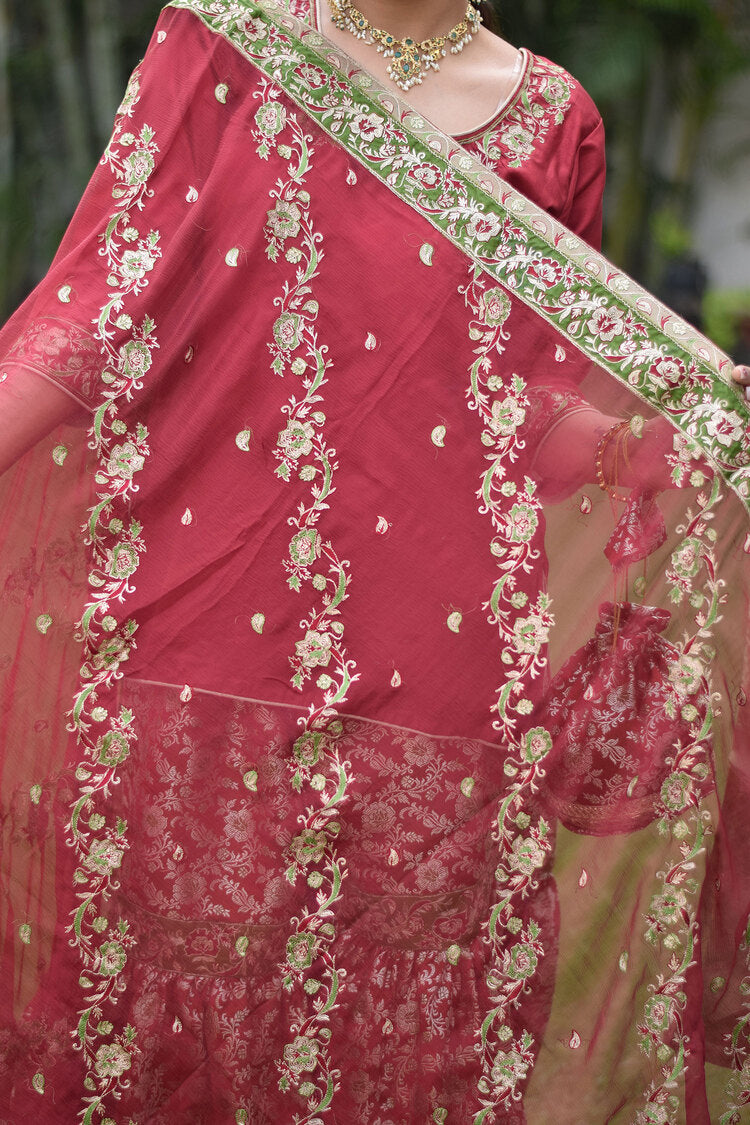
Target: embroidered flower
<point>304,547</point>
<point>508,1069</point>
<point>104,857</point>
<point>668,372</point>
<point>686,674</point>
<point>368,126</point>
<point>556,91</point>
<point>297,439</point>
<point>301,950</point>
<point>139,166</point>
<point>483,227</point>
<point>307,748</point>
<point>124,461</point>
<point>113,748</point>
<point>526,855</point>
<point>135,265</point>
<point>131,95</point>
<point>668,907</point>
<point>522,962</point>
<point>522,523</point>
<point>427,176</point>
<point>111,1060</point>
<point>725,426</point>
<point>313,77</point>
<point>284,219</point>
<point>676,790</point>
<point>605,324</point>
<point>270,118</point>
<point>254,30</point>
<point>686,560</point>
<point>112,958</point>
<point>530,634</point>
<point>122,560</point>
<point>658,1013</point>
<point>507,416</point>
<point>309,846</point>
<point>518,140</point>
<point>536,744</point>
<point>302,1054</point>
<point>494,308</point>
<point>546,273</point>
<point>315,650</point>
<point>135,358</point>
<point>287,330</point>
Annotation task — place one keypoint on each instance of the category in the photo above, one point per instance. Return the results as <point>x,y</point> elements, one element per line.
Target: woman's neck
<point>419,19</point>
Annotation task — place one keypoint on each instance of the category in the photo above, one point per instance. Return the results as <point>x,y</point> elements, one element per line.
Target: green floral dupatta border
<point>594,305</point>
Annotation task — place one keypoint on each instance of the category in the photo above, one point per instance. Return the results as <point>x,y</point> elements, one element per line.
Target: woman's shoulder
<point>547,107</point>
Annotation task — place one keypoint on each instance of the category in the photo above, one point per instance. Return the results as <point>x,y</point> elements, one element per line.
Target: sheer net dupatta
<point>70,361</point>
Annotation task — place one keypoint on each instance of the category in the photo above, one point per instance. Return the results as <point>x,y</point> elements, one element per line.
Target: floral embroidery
<point>540,106</point>
<point>506,1058</point>
<point>672,920</point>
<point>116,544</point>
<point>302,452</point>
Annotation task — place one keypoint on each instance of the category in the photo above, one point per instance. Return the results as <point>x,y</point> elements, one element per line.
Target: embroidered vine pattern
<point>738,1050</point>
<point>515,947</point>
<point>302,451</point>
<point>541,105</point>
<point>672,923</point>
<point>115,541</point>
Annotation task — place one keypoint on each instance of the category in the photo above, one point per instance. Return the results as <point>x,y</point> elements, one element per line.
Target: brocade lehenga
<point>363,759</point>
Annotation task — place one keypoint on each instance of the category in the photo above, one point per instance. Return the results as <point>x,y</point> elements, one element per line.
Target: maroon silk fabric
<point>236,645</point>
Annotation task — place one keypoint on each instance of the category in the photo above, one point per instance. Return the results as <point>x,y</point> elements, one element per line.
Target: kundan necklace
<point>411,59</point>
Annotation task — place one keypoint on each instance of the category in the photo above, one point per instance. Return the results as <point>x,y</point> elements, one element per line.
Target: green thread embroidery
<point>116,543</point>
<point>515,949</point>
<point>310,968</point>
<point>672,920</point>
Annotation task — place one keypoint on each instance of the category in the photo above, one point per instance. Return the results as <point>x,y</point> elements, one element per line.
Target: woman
<point>377,750</point>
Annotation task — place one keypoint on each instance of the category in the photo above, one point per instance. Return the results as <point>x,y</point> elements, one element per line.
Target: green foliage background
<point>656,68</point>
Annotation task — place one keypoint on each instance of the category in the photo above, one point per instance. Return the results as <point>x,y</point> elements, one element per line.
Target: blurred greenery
<point>723,311</point>
<point>656,69</point>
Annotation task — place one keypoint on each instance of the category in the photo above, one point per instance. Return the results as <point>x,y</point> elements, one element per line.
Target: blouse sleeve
<point>583,207</point>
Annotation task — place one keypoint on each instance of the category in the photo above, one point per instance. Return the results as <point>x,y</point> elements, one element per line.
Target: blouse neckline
<point>522,67</point>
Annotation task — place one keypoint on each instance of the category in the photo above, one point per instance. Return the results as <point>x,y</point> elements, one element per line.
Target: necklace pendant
<point>406,66</point>
<point>410,60</point>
